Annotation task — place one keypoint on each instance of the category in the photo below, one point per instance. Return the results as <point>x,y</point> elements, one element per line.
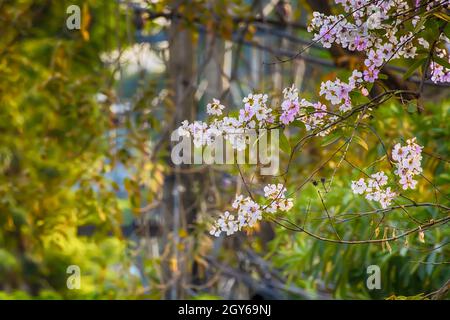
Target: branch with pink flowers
<point>377,29</point>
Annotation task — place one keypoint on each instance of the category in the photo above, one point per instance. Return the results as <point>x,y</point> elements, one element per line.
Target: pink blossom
<point>370,75</point>
<point>247,113</point>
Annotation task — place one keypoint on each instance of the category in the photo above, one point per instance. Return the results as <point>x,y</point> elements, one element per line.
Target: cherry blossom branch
<point>320,121</point>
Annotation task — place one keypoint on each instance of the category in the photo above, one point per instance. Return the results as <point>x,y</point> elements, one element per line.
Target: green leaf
<point>413,68</point>
<point>447,30</point>
<point>432,27</point>
<point>442,16</point>
<point>330,140</point>
<point>298,124</point>
<point>412,107</point>
<point>442,62</point>
<point>284,143</point>
<point>361,142</point>
<point>420,24</point>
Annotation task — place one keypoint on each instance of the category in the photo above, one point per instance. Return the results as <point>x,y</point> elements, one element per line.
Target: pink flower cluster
<point>408,162</point>
<point>313,115</point>
<point>337,92</point>
<point>201,133</point>
<point>359,30</point>
<point>249,212</point>
<point>255,108</point>
<point>440,73</point>
<point>257,115</point>
<point>316,115</point>
<point>360,34</point>
<point>214,108</point>
<point>277,195</point>
<point>290,106</point>
<point>373,188</point>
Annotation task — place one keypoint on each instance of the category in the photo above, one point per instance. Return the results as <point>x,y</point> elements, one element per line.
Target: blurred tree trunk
<point>283,12</point>
<point>214,59</point>
<point>179,199</point>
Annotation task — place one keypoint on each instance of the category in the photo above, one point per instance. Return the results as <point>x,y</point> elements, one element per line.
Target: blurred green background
<point>84,118</point>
